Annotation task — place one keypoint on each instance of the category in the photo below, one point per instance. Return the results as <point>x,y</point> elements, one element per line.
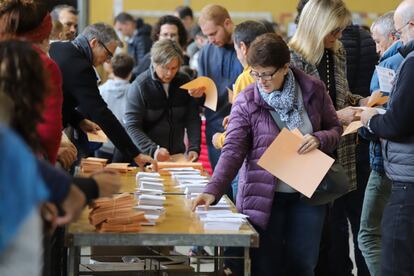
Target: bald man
<point>396,130</point>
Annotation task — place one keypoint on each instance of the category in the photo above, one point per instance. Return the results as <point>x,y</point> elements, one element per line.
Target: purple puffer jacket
<point>250,132</point>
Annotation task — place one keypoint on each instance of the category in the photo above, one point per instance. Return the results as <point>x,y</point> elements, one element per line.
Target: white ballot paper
<point>386,77</point>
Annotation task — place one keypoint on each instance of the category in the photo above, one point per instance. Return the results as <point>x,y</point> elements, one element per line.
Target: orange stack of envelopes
<point>116,214</point>
<point>92,164</point>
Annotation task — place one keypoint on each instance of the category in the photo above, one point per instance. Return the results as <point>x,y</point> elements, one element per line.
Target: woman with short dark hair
<point>289,228</point>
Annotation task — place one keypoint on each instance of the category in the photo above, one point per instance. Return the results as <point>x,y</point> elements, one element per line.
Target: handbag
<point>335,183</point>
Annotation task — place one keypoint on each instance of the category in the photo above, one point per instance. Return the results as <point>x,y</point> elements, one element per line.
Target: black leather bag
<point>335,183</point>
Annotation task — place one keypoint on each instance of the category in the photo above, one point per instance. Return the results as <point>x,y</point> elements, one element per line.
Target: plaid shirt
<point>347,146</point>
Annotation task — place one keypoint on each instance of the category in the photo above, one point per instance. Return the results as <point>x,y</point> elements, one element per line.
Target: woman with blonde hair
<point>316,49</point>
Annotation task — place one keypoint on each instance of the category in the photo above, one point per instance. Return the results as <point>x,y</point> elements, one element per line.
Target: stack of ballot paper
<point>116,214</point>
<point>92,164</point>
<point>189,180</point>
<point>149,183</point>
<point>220,217</point>
<point>150,187</point>
<point>118,167</point>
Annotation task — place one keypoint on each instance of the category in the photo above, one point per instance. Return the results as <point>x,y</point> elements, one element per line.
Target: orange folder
<point>303,172</point>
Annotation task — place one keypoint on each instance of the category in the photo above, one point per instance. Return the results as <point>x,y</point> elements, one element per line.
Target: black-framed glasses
<point>264,76</point>
<point>397,33</point>
<point>109,53</point>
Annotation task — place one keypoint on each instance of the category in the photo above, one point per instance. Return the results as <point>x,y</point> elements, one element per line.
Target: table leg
<point>247,262</point>
<point>74,261</point>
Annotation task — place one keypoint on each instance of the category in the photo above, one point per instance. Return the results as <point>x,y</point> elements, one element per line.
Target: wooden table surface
<point>177,226</point>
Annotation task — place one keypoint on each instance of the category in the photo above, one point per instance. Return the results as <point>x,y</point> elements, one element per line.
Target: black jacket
<point>139,45</point>
<point>153,119</point>
<point>361,58</point>
<point>80,91</point>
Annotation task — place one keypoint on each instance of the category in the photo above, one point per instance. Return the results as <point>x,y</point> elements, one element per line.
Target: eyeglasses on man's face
<point>397,33</point>
<point>263,76</point>
<point>108,53</point>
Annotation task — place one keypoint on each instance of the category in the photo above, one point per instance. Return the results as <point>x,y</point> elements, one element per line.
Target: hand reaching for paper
<point>162,155</point>
<point>143,159</point>
<point>347,115</point>
<point>192,156</point>
<point>203,199</point>
<point>309,143</point>
<point>89,126</point>
<point>67,154</point>
<point>367,114</point>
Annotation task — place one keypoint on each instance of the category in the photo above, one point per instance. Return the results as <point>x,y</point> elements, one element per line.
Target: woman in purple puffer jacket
<point>289,228</point>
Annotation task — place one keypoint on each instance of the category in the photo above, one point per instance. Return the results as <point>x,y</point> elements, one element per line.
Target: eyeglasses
<point>264,76</point>
<point>397,33</point>
<point>109,53</point>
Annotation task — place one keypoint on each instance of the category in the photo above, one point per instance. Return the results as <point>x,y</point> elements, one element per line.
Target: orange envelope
<point>303,172</point>
<point>377,99</point>
<point>211,90</point>
<point>99,137</point>
<point>352,128</point>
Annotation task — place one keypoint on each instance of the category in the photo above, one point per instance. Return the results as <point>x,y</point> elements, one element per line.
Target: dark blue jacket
<point>222,66</point>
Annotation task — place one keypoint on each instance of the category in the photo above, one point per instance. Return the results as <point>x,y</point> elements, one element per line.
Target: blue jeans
<point>398,232</point>
<point>290,244</point>
<point>376,197</point>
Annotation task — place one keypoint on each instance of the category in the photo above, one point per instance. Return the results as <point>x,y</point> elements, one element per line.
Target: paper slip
<point>226,215</point>
<point>150,179</point>
<point>149,191</point>
<point>282,160</point>
<point>151,185</point>
<point>231,220</point>
<point>185,173</point>
<point>385,77</point>
<point>221,226</point>
<point>191,190</point>
<point>209,211</point>
<point>377,98</point>
<point>352,128</point>
<point>151,200</point>
<point>148,174</point>
<point>210,90</point>
<point>99,137</point>
<point>151,220</point>
<point>150,210</point>
<point>190,177</point>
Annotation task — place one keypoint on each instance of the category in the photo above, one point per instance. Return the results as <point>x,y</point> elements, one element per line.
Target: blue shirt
<point>21,186</point>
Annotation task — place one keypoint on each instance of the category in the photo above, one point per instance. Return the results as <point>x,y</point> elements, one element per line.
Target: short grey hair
<point>406,11</point>
<point>56,11</point>
<point>165,50</point>
<point>102,32</point>
<point>385,24</point>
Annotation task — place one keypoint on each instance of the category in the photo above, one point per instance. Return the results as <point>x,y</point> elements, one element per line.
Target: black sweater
<point>397,123</point>
<point>80,91</point>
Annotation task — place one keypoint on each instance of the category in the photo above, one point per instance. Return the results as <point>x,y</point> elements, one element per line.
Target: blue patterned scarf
<point>285,102</point>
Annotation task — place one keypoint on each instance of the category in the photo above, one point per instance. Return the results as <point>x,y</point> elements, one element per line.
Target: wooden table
<point>177,227</point>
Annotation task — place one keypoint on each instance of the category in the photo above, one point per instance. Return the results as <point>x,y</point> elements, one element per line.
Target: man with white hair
<point>396,130</point>
<point>378,188</point>
<point>81,98</point>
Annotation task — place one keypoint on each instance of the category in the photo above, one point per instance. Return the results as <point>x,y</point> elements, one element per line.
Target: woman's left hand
<point>309,143</point>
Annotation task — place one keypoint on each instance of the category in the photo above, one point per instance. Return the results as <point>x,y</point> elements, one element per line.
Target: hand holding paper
<point>210,90</point>
<point>303,172</point>
<point>97,136</point>
<point>377,99</point>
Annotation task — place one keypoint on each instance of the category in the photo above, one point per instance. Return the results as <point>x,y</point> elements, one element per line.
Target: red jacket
<point>50,130</point>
